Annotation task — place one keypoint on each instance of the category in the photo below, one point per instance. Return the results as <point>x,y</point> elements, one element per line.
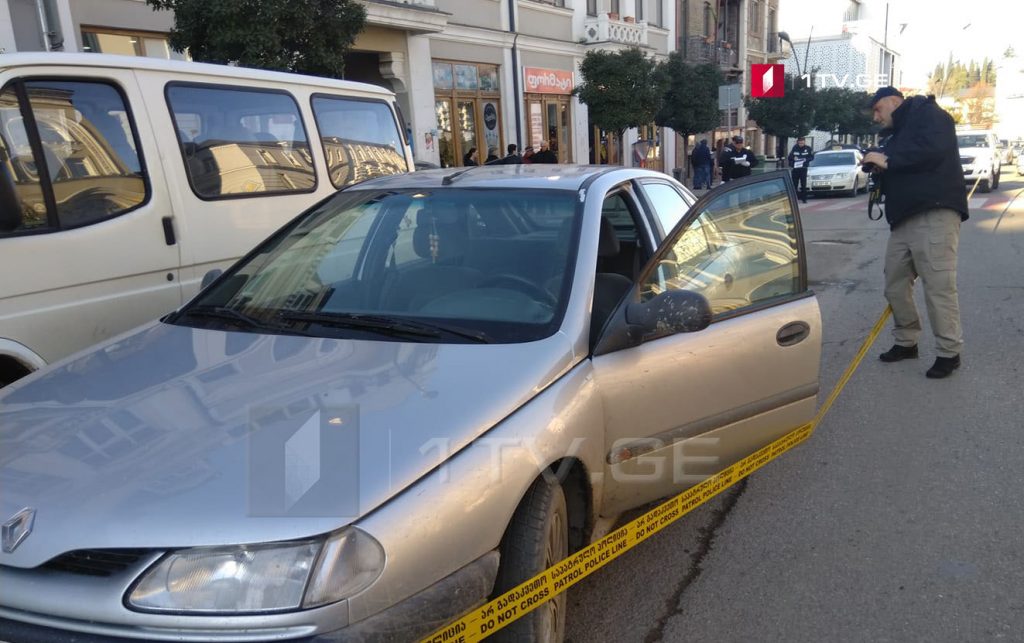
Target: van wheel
<point>537,538</point>
<point>995,180</point>
<point>985,187</point>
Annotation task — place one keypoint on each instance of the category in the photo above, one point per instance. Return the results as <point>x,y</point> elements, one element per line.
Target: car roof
<point>51,59</point>
<point>521,176</point>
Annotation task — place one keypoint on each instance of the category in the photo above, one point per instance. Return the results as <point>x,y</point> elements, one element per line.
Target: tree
<point>304,36</point>
<point>622,89</point>
<point>789,116</point>
<point>690,102</point>
<point>840,110</point>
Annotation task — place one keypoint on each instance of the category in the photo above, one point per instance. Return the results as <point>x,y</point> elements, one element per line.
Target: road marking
<point>519,601</point>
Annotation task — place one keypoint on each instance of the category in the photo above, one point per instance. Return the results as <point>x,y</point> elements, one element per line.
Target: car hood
<point>983,152</point>
<point>173,436</point>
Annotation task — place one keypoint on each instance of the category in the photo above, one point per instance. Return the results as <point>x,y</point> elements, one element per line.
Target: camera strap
<point>876,199</point>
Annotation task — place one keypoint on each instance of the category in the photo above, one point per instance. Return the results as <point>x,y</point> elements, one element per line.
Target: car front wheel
<point>536,538</point>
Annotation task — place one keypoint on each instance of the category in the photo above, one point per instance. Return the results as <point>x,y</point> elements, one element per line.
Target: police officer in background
<point>799,158</point>
<point>736,160</point>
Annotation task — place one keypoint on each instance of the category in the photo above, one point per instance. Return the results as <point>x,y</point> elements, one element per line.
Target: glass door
<point>446,142</point>
<point>468,138</point>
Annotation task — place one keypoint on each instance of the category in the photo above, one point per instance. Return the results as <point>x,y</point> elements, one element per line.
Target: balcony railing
<point>602,29</point>
<point>699,50</point>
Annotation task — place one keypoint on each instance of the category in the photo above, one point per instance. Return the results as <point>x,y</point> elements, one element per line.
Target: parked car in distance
<point>417,394</point>
<point>979,156</point>
<point>832,171</point>
<point>128,178</point>
<point>1020,165</point>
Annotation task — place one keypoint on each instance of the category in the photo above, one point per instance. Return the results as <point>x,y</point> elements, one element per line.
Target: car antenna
<point>447,180</point>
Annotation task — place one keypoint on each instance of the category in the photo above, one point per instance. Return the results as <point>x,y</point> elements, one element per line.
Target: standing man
<point>925,202</point>
<point>799,158</point>
<point>736,160</point>
<point>702,162</point>
<point>512,158</point>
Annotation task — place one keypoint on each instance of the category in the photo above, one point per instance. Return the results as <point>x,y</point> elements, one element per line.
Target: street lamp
<point>785,36</point>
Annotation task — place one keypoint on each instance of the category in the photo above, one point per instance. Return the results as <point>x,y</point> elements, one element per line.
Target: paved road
<point>901,518</point>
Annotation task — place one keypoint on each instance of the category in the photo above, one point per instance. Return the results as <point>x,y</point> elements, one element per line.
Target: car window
<point>669,205</point>
<point>740,250</point>
<point>360,139</point>
<point>91,162</point>
<point>833,159</point>
<point>972,140</point>
<point>239,142</point>
<point>494,260</point>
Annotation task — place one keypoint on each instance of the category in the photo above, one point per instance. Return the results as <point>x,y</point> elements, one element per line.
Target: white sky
<point>934,28</point>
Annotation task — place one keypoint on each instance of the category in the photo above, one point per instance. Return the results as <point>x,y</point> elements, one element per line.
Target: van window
<point>360,139</point>
<point>241,142</point>
<point>90,161</point>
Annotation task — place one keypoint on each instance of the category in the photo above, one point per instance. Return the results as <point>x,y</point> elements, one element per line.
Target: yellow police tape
<point>531,594</point>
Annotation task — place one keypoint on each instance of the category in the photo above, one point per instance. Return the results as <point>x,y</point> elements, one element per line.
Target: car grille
<point>966,160</point>
<point>95,562</point>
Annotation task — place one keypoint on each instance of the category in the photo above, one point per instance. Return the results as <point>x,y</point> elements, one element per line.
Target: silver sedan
<point>417,394</point>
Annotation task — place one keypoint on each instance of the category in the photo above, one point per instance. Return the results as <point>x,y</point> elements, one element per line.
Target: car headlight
<point>261,578</point>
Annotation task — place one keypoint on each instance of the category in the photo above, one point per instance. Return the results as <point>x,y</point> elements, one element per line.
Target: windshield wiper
<point>384,325</point>
<point>230,314</point>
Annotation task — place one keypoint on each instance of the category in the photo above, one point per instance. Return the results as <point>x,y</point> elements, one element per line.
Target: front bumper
<point>409,619</point>
<point>830,185</point>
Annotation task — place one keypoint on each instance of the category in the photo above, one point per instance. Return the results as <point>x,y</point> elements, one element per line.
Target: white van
<point>124,180</point>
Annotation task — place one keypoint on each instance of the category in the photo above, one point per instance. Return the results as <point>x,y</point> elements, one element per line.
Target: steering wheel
<point>521,284</point>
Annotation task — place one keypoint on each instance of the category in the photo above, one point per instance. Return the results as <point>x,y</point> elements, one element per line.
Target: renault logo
<point>18,528</point>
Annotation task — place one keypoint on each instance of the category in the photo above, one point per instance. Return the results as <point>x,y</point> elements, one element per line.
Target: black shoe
<point>943,367</point>
<point>897,353</point>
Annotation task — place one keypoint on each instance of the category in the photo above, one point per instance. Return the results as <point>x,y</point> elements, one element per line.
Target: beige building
<point>474,73</point>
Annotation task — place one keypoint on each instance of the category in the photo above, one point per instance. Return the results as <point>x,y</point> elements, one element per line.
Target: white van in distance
<point>124,180</point>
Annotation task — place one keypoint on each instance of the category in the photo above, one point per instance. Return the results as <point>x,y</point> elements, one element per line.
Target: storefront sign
<point>547,81</point>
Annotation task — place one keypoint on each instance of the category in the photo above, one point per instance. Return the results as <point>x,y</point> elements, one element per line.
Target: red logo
<point>767,81</point>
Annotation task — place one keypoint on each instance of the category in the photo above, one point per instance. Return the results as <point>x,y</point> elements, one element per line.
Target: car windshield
<point>446,265</point>
<point>842,158</point>
<point>972,140</point>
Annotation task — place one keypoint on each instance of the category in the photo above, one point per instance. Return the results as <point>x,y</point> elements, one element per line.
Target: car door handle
<point>168,231</point>
<point>793,333</point>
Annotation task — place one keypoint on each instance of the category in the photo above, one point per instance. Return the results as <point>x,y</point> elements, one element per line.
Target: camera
<point>870,167</point>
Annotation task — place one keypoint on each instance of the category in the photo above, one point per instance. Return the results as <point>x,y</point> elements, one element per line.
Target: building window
<point>852,11</point>
<point>659,13</point>
<point>614,7</point>
<point>128,43</point>
<point>639,10</point>
<point>553,3</point>
<point>591,7</point>
<point>709,20</point>
<point>755,17</point>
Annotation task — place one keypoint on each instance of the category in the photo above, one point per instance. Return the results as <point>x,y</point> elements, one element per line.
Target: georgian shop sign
<point>547,81</point>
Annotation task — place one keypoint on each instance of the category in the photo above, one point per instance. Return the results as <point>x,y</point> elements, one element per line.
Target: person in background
<point>492,155</point>
<point>469,158</point>
<point>702,162</point>
<point>528,154</point>
<point>545,155</point>
<point>925,203</point>
<point>512,158</point>
<point>799,158</point>
<point>736,160</point>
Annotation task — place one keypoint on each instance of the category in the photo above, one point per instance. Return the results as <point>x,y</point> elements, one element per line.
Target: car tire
<point>536,538</point>
<point>995,180</point>
<point>985,187</point>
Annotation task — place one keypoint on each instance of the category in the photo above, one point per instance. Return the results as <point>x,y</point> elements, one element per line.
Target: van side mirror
<point>10,204</point>
<point>210,277</point>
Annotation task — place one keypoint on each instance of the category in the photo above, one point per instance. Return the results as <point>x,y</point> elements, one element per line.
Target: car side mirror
<point>10,204</point>
<point>670,312</point>
<point>673,311</point>
<point>210,277</point>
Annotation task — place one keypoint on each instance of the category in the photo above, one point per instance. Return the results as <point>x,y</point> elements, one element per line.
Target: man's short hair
<point>882,92</point>
<point>512,148</point>
<point>737,139</point>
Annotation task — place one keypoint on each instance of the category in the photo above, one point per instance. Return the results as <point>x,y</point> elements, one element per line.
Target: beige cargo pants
<point>925,246</point>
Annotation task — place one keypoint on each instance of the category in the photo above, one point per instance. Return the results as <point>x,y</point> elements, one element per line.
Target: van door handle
<point>168,231</point>
<point>792,333</point>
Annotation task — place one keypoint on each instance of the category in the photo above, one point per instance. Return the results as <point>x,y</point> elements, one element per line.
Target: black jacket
<point>802,153</point>
<point>732,170</point>
<point>924,170</point>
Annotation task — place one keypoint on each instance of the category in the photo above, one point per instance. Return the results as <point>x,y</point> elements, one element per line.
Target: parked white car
<point>980,158</point>
<point>834,171</point>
